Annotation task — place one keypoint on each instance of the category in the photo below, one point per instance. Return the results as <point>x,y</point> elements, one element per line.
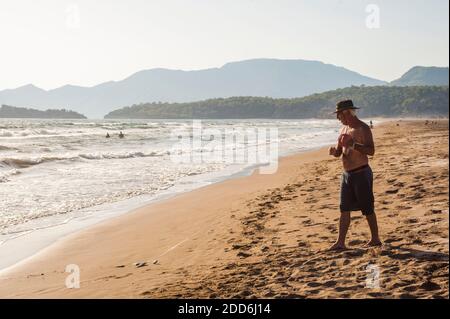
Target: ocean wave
<point>4,133</point>
<point>24,162</point>
<point>5,174</point>
<point>27,162</point>
<point>22,133</point>
<point>6,148</point>
<point>93,156</point>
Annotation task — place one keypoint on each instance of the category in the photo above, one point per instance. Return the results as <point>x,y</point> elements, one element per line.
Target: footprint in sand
<point>416,241</point>
<point>355,242</point>
<point>429,286</point>
<point>415,196</point>
<point>303,244</point>
<point>392,191</point>
<point>354,253</point>
<point>314,284</point>
<point>230,266</point>
<point>397,256</point>
<point>240,246</point>
<point>410,288</point>
<point>401,207</point>
<point>267,205</point>
<point>146,293</point>
<point>330,283</point>
<point>393,240</point>
<point>242,254</point>
<point>261,214</point>
<point>332,228</point>
<point>393,269</point>
<point>269,294</point>
<point>347,288</point>
<point>312,292</point>
<point>399,184</point>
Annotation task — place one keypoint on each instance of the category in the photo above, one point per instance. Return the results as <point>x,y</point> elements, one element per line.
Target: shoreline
<point>23,276</point>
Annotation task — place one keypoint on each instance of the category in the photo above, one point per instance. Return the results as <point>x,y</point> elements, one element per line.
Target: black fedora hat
<point>345,105</point>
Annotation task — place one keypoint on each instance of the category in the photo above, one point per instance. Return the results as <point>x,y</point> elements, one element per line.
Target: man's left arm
<point>368,147</point>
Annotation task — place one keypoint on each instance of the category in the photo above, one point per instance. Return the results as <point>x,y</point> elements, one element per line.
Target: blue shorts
<point>357,192</point>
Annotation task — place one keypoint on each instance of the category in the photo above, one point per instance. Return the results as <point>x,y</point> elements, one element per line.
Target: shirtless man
<point>355,143</point>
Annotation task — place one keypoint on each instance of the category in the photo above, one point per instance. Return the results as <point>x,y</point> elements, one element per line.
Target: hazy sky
<point>54,42</point>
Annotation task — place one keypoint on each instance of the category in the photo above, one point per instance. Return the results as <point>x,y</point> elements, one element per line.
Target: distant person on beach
<point>121,135</point>
<point>371,124</point>
<point>355,143</point>
<point>107,135</point>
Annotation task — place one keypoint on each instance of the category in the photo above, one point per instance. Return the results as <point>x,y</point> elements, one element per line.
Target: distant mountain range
<point>7,111</point>
<point>259,77</point>
<point>420,75</point>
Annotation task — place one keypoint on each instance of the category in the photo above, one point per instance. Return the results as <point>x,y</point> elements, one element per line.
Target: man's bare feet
<point>338,246</point>
<point>373,243</point>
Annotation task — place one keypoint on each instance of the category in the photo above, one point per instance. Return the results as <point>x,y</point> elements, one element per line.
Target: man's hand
<point>334,151</point>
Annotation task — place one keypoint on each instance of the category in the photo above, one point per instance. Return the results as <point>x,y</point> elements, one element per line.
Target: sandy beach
<point>266,236</point>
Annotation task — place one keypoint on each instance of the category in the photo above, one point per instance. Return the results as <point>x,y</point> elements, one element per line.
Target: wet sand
<point>266,236</point>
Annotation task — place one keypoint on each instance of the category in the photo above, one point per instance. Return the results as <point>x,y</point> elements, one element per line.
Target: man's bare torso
<point>352,159</point>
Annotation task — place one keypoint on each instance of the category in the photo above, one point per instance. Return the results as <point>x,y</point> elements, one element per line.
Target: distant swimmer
<point>121,135</point>
<point>107,135</point>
